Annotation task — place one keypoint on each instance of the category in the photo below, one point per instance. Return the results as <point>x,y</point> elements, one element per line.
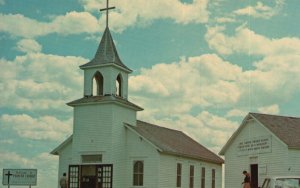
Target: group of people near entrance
<point>247,180</point>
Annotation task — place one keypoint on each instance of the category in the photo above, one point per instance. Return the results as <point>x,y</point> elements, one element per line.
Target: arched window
<point>97,84</point>
<point>138,173</point>
<point>119,85</point>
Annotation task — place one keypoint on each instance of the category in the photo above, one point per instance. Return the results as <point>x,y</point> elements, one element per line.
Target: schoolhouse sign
<point>255,145</point>
<point>19,177</point>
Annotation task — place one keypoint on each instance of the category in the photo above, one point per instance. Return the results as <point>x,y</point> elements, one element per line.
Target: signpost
<point>26,177</point>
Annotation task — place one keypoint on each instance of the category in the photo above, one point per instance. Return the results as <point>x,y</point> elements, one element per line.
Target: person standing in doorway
<point>247,180</point>
<point>63,181</point>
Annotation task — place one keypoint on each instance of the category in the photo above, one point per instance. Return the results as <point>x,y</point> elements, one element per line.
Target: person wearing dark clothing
<point>247,180</point>
<point>63,181</point>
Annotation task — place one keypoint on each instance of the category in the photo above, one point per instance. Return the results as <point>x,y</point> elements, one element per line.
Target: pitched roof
<point>62,145</point>
<point>106,53</point>
<point>285,128</point>
<point>104,99</point>
<point>174,142</point>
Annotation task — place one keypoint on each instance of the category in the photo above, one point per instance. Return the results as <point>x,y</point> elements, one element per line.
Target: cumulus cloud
<point>29,45</point>
<point>70,23</point>
<point>210,82</point>
<point>236,113</point>
<point>197,81</point>
<point>247,41</point>
<point>131,12</point>
<point>41,128</point>
<point>261,10</point>
<point>277,66</point>
<point>225,20</point>
<point>272,109</point>
<point>11,158</point>
<point>128,13</point>
<point>40,81</point>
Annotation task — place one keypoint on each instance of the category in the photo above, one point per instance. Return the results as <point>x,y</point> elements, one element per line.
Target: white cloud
<point>41,128</point>
<point>128,14</point>
<point>75,22</point>
<point>247,41</point>
<point>261,10</point>
<point>40,81</point>
<point>209,82</point>
<point>11,158</point>
<point>275,77</point>
<point>29,45</point>
<point>70,23</point>
<point>131,12</point>
<point>197,81</point>
<point>236,113</point>
<point>225,20</point>
<point>7,142</point>
<point>272,109</point>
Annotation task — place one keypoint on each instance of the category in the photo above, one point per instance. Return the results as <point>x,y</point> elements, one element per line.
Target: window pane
<point>191,176</point>
<point>91,158</point>
<point>203,177</point>
<point>138,173</point>
<point>178,178</point>
<point>213,178</point>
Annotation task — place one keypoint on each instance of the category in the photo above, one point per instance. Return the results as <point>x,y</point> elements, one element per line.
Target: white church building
<point>109,147</point>
<point>264,145</point>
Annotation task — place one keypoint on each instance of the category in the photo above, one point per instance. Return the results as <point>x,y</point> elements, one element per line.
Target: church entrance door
<point>90,176</point>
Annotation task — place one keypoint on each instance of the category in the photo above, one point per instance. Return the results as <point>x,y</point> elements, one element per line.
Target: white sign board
<point>255,145</point>
<point>19,177</point>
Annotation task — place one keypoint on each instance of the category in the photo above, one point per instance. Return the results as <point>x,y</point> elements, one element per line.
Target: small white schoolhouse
<point>264,145</point>
<point>109,147</point>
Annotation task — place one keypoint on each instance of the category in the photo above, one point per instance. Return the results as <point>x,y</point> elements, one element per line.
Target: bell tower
<point>105,74</point>
<point>99,116</point>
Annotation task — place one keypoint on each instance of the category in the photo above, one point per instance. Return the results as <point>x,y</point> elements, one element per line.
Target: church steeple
<point>105,74</point>
<point>106,53</point>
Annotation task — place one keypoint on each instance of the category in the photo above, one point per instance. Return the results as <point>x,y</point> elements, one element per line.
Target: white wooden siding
<point>65,158</point>
<point>275,161</point>
<point>168,172</point>
<point>294,162</point>
<point>139,149</point>
<point>100,129</point>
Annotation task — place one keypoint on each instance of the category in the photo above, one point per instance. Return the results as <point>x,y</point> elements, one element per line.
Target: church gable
<point>285,130</point>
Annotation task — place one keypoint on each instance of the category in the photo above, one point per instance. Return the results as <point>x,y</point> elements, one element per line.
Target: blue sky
<point>199,66</point>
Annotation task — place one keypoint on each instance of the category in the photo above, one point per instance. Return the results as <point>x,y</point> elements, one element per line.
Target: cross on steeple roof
<point>106,53</point>
<point>107,9</point>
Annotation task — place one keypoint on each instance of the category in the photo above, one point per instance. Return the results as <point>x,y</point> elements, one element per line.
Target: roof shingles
<point>285,128</point>
<point>106,53</point>
<point>175,142</point>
